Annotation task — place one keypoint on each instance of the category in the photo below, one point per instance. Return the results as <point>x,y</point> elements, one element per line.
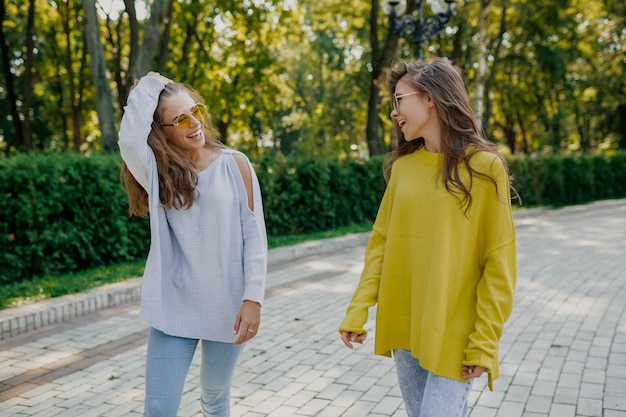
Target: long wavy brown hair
<point>178,176</point>
<point>442,82</point>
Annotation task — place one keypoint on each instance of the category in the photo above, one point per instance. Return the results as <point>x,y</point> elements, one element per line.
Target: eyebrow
<point>176,117</point>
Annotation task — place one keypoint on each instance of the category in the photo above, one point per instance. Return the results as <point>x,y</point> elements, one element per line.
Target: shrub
<point>61,213</point>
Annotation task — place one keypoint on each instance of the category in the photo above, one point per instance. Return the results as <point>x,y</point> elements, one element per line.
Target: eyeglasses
<point>183,120</point>
<point>396,97</point>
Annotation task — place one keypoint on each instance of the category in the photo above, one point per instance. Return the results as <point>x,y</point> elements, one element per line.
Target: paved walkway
<point>563,353</point>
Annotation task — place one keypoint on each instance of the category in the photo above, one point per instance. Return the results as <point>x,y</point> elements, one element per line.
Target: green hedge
<point>308,194</point>
<point>564,180</point>
<point>62,213</point>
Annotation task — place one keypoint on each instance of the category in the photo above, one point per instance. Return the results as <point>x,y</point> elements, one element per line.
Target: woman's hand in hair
<point>159,77</point>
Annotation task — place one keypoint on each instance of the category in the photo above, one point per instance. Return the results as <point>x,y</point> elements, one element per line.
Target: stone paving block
<point>616,384</point>
<point>490,399</point>
<point>589,407</point>
<point>298,371</point>
<point>591,391</point>
<point>597,376</point>
<point>614,413</point>
<point>347,398</point>
<point>596,363</point>
<point>364,383</point>
<point>569,380</point>
<point>548,375</point>
<point>310,376</point>
<point>359,409</point>
<point>400,413</point>
<point>525,378</point>
<point>616,371</point>
<point>614,401</point>
<point>319,384</point>
<point>350,377</point>
<point>544,388</point>
<point>387,406</point>
<point>313,407</point>
<point>566,395</point>
<point>123,410</point>
<point>390,379</point>
<point>268,405</point>
<point>562,410</point>
<point>510,409</point>
<point>479,411</point>
<point>281,411</point>
<point>538,404</point>
<point>376,393</point>
<point>332,391</point>
<point>300,399</point>
<point>331,411</point>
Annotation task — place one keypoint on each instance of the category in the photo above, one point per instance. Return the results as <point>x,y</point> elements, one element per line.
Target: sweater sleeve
<point>254,242</point>
<point>496,286</point>
<point>366,293</point>
<point>136,125</point>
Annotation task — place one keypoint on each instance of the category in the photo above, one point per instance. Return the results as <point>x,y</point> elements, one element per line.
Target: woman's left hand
<point>470,372</point>
<point>247,321</point>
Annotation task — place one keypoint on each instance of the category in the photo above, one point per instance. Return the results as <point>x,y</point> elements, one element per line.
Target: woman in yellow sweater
<point>440,263</point>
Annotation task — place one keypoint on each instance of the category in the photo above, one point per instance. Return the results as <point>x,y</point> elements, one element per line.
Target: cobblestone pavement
<point>563,353</point>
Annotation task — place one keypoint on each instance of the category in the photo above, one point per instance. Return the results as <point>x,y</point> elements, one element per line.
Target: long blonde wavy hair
<point>178,176</point>
<point>460,136</point>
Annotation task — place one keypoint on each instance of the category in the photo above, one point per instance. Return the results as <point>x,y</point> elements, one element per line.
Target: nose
<point>195,122</point>
<point>394,113</point>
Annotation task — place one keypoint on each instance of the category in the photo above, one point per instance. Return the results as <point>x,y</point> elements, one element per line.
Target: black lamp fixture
<point>418,30</point>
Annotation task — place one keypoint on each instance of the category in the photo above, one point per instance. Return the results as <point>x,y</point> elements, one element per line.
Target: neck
<point>433,146</point>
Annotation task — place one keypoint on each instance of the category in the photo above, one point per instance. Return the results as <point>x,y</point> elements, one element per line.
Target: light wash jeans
<point>167,365</point>
<point>426,394</point>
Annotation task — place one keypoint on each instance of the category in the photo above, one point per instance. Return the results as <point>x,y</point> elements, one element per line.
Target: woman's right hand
<point>350,337</point>
<point>159,77</point>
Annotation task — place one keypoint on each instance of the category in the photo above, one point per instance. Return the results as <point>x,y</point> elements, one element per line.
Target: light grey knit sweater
<point>205,260</point>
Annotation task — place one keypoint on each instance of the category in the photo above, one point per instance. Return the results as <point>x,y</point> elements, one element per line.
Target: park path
<point>563,353</point>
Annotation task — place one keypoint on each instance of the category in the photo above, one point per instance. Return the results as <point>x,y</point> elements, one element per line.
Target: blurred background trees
<point>308,77</point>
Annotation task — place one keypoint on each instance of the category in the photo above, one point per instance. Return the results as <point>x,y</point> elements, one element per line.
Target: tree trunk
<point>150,44</point>
<point>104,101</point>
<point>164,50</point>
<point>482,61</point>
<point>74,110</point>
<point>8,76</point>
<point>621,125</point>
<point>496,62</point>
<point>134,45</point>
<point>380,58</point>
<point>27,135</point>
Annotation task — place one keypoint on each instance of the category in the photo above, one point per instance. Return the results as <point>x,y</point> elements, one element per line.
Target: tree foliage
<point>308,77</point>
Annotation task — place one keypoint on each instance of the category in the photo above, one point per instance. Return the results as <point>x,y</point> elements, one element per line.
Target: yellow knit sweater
<point>444,281</point>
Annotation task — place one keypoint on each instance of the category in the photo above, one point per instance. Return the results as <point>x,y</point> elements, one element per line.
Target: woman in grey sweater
<point>205,273</point>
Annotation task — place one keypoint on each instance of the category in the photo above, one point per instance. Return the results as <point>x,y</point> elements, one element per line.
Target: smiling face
<point>416,115</point>
<point>189,140</point>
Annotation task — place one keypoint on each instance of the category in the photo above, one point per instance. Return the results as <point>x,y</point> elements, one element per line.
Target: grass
<point>38,289</point>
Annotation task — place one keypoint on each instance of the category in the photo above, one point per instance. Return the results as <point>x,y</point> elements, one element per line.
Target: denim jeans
<point>167,365</point>
<point>426,394</point>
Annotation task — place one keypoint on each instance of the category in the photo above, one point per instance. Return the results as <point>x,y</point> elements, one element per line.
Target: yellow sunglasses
<point>183,120</point>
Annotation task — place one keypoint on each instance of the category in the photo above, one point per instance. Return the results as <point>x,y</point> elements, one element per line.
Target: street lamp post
<point>418,30</point>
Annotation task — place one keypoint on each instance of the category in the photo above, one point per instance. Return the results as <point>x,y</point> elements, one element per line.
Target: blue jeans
<point>426,394</point>
<point>167,365</point>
